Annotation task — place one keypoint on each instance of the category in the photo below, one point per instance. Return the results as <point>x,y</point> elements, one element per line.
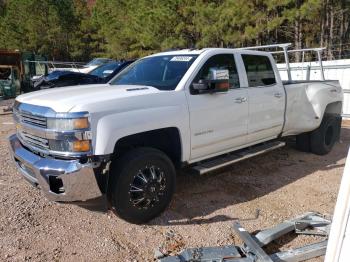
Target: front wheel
<point>142,184</point>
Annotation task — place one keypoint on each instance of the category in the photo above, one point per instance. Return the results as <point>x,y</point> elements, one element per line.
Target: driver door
<point>218,121</point>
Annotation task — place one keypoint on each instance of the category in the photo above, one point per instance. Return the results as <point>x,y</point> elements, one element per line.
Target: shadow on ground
<point>198,196</point>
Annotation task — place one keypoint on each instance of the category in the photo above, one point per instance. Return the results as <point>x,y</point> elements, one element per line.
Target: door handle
<point>278,95</point>
<point>241,100</point>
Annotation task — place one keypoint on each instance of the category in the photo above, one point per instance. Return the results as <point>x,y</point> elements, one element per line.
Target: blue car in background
<point>99,75</point>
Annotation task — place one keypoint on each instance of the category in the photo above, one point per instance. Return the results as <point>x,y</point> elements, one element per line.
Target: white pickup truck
<point>121,143</point>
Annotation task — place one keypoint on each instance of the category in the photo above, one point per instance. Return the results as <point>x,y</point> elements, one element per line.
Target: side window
<point>259,70</point>
<point>221,61</point>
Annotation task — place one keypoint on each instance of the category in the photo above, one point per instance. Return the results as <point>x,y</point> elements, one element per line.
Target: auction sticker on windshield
<point>181,58</point>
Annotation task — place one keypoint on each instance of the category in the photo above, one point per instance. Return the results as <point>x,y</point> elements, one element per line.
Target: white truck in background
<point>121,143</point>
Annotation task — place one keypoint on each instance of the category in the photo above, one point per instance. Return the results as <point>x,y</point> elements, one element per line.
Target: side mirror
<point>218,82</point>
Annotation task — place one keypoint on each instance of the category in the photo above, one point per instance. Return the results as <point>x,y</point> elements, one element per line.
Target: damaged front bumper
<point>60,180</point>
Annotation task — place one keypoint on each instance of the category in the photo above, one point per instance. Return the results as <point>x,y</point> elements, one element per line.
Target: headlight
<point>70,146</point>
<point>69,143</point>
<point>67,124</point>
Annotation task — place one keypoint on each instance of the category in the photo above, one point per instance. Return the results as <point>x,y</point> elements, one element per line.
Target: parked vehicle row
<point>119,144</point>
<point>78,66</point>
<point>23,72</point>
<point>101,74</point>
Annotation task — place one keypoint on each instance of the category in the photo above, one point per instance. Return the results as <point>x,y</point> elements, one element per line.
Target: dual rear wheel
<point>321,140</point>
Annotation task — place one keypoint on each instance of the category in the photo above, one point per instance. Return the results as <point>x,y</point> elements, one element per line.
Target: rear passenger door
<point>266,98</point>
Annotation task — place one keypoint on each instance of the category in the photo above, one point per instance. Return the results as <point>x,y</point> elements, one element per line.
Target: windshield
<point>162,72</point>
<point>105,70</point>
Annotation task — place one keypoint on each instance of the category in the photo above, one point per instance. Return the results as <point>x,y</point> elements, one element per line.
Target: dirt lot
<point>281,184</point>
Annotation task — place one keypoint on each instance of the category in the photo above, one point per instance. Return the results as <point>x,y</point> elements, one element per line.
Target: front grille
<point>33,120</point>
<point>36,141</point>
<point>31,125</point>
<point>27,136</point>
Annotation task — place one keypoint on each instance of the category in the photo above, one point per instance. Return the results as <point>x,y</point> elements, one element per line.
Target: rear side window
<point>259,70</point>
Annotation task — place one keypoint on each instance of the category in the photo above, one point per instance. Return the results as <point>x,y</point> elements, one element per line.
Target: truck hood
<point>64,99</point>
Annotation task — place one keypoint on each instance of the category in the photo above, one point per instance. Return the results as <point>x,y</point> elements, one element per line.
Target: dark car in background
<point>99,75</point>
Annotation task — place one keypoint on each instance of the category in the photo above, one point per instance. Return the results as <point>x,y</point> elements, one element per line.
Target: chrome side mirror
<point>218,81</point>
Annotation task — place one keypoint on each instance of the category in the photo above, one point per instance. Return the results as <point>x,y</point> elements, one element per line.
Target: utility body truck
<point>119,144</point>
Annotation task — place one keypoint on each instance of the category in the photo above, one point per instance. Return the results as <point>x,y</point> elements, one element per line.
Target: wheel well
<point>166,140</point>
<point>333,108</point>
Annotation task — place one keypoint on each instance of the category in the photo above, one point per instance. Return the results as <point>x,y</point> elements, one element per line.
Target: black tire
<point>146,169</point>
<point>303,142</point>
<point>323,138</point>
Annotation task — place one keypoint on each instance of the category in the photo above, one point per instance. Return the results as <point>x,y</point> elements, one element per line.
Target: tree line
<point>81,29</point>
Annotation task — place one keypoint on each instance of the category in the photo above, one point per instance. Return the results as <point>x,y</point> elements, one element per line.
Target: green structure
<point>17,72</point>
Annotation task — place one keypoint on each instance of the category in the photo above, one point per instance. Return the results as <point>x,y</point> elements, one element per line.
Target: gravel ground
<point>281,184</point>
<point>7,102</point>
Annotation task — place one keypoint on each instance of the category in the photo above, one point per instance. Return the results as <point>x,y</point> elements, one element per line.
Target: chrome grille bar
<point>33,120</point>
<point>39,139</point>
<point>34,140</point>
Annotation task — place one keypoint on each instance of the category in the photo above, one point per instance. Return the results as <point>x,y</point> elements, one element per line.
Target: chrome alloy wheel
<point>148,187</point>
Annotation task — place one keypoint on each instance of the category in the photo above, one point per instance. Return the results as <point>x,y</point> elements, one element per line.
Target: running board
<point>228,159</point>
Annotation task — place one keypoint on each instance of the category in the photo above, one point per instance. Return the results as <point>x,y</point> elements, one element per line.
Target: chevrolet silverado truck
<point>119,144</point>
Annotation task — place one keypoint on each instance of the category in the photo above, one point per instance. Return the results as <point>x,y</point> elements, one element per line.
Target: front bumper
<point>60,180</point>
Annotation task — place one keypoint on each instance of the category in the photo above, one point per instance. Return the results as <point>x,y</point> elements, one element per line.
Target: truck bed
<point>291,82</point>
<point>306,102</point>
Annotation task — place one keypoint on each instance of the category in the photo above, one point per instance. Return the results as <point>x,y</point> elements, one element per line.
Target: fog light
<point>56,185</point>
<point>81,146</point>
